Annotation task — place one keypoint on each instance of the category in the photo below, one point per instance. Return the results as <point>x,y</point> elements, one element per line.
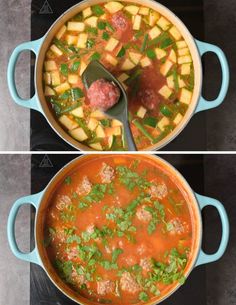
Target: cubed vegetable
<point>48,91</point>
<point>71,39</point>
<point>82,40</point>
<point>67,122</point>
<point>110,141</point>
<point>112,60</point>
<point>111,44</point>
<point>178,119</point>
<point>141,112</point>
<point>185,96</point>
<point>87,12</point>
<point>100,132</point>
<point>165,68</point>
<point>163,123</point>
<point>185,69</point>
<point>144,11</point>
<point>96,146</point>
<point>153,17</point>
<point>145,61</point>
<point>83,66</point>
<point>172,56</point>
<point>154,32</point>
<point>170,81</point>
<point>184,59</point>
<point>175,33</point>
<point>123,77</point>
<point>79,134</point>
<point>135,57</point>
<point>163,23</point>
<point>75,26</point>
<point>181,44</point>
<point>132,9</point>
<point>78,112</point>
<point>165,110</point>
<point>160,53</point>
<point>181,82</point>
<point>97,114</point>
<point>61,32</point>
<point>183,51</point>
<point>137,22</point>
<point>165,91</point>
<point>55,50</point>
<point>150,121</point>
<point>55,77</point>
<point>50,65</point>
<point>127,65</point>
<point>115,123</point>
<point>113,6</point>
<point>91,21</point>
<point>92,124</point>
<point>62,88</point>
<point>113,131</point>
<point>47,78</point>
<point>73,78</point>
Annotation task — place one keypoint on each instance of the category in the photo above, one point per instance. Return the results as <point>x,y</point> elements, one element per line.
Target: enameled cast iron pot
<point>39,47</point>
<point>40,201</point>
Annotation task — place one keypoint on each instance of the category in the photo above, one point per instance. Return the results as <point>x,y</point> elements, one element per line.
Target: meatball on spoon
<point>119,109</point>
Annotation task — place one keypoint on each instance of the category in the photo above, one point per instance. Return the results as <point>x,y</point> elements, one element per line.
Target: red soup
<point>119,230</point>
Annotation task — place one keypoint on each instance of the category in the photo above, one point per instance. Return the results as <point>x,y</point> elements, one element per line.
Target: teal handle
<point>204,258</point>
<point>203,48</point>
<point>33,255</point>
<point>32,103</point>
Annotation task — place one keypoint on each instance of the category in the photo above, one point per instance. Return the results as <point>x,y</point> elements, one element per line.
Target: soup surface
<point>118,230</point>
<point>143,50</point>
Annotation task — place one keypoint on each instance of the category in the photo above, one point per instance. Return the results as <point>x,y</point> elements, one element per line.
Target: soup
<point>147,54</point>
<point>119,230</point>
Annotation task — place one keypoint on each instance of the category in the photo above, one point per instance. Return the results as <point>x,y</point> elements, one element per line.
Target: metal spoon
<point>94,71</point>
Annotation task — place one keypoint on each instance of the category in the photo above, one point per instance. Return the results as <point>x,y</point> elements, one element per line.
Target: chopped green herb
<point>64,69</point>
<point>105,36</point>
<point>76,93</point>
<point>90,43</point>
<point>166,43</point>
<point>102,25</point>
<point>144,44</point>
<point>143,296</point>
<point>68,180</point>
<point>97,10</point>
<point>75,66</point>
<point>95,56</point>
<point>93,31</point>
<point>115,254</point>
<point>121,53</point>
<point>151,54</point>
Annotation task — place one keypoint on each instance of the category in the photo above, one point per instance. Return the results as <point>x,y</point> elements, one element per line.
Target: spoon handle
<point>129,137</point>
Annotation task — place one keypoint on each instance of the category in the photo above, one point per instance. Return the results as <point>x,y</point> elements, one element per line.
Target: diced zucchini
<point>113,131</point>
<point>165,68</point>
<point>153,17</point>
<point>71,39</point>
<point>112,60</point>
<point>115,123</point>
<point>178,119</point>
<point>135,57</point>
<point>113,6</point>
<point>48,91</point>
<point>91,21</point>
<point>172,56</point>
<point>132,9</point>
<point>82,40</point>
<point>111,44</point>
<point>183,51</point>
<point>165,91</point>
<point>185,69</point>
<point>73,78</point>
<point>62,88</point>
<point>170,81</point>
<point>55,50</point>
<point>123,77</point>
<point>50,65</point>
<point>83,66</point>
<point>87,12</point>
<point>184,59</point>
<point>78,134</point>
<point>163,23</point>
<point>100,132</point>
<point>110,141</point>
<point>160,53</point>
<point>78,112</point>
<point>75,26</point>
<point>55,77</point>
<point>97,114</point>
<point>141,112</point>
<point>163,123</point>
<point>127,65</point>
<point>145,61</point>
<point>137,22</point>
<point>185,96</point>
<point>181,44</point>
<point>150,121</point>
<point>154,32</point>
<point>175,33</point>
<point>67,122</point>
<point>96,146</point>
<point>181,82</point>
<point>92,124</point>
<point>143,11</point>
<point>61,32</point>
<point>47,78</point>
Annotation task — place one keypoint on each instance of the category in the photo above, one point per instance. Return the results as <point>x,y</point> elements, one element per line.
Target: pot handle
<point>32,103</point>
<point>33,255</point>
<point>204,258</point>
<point>203,48</point>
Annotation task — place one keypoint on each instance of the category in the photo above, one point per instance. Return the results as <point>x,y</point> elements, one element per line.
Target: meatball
<point>146,264</point>
<point>90,228</point>
<point>119,21</point>
<point>62,202</point>
<point>178,227</point>
<point>128,283</point>
<point>103,94</point>
<point>84,187</point>
<point>158,191</point>
<point>72,252</point>
<point>106,173</point>
<point>148,98</point>
<point>143,214</point>
<point>105,286</point>
<point>78,279</point>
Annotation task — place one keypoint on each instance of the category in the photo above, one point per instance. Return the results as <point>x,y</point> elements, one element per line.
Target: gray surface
<point>14,183</point>
<point>14,29</point>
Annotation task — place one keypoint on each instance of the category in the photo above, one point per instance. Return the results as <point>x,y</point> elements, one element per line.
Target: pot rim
<point>174,19</point>
<point>196,218</point>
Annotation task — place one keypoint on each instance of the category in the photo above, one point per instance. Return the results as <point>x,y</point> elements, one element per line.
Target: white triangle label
<point>46,162</point>
<point>46,8</point>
